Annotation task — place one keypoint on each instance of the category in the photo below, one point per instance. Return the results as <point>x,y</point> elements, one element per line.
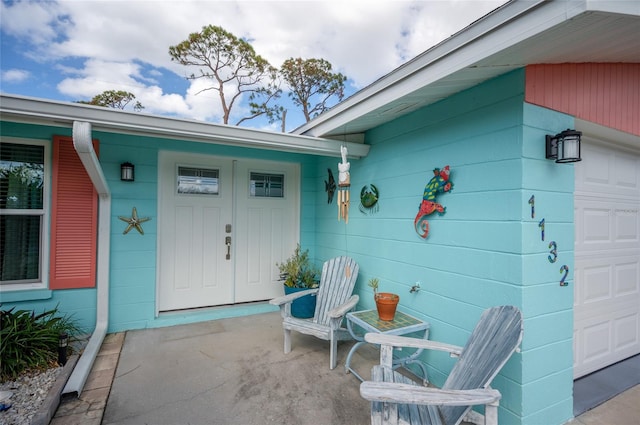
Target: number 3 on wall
<point>553,251</point>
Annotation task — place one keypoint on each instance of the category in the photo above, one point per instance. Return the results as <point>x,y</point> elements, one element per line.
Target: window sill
<point>26,292</point>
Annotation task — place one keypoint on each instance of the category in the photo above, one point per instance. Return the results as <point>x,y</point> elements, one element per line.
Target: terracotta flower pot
<point>386,304</point>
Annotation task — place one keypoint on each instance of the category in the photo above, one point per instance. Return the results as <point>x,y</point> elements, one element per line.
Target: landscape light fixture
<point>63,343</point>
<point>564,147</point>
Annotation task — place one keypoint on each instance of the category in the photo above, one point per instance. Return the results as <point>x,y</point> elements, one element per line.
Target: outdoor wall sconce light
<point>127,172</point>
<point>564,146</point>
<point>63,343</point>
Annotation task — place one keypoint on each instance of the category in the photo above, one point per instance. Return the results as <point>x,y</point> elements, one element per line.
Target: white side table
<point>402,324</point>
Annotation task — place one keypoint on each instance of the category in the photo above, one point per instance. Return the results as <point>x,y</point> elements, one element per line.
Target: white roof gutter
<point>84,147</point>
<point>43,111</point>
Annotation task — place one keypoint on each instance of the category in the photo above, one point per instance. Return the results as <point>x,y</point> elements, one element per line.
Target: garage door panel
<point>594,173</point>
<point>596,283</point>
<point>626,331</point>
<point>605,340</point>
<point>596,223</point>
<point>607,171</point>
<point>597,273</point>
<point>609,309</point>
<point>606,224</point>
<point>626,223</point>
<point>596,340</point>
<point>626,173</point>
<point>606,258</point>
<point>628,278</point>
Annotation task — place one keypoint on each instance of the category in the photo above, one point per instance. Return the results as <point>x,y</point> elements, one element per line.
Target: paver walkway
<point>88,409</point>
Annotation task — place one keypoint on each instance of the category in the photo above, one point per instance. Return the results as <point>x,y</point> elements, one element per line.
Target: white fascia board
<point>508,25</point>
<point>608,134</point>
<point>104,119</point>
<point>624,7</point>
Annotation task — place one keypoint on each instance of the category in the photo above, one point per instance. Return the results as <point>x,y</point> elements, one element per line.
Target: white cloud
<point>203,105</point>
<point>36,22</point>
<point>98,75</point>
<point>124,45</point>
<point>15,76</point>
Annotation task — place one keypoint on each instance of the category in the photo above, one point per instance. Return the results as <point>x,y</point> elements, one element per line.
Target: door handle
<point>227,242</point>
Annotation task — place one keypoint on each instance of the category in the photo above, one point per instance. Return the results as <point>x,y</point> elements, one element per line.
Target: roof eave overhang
<point>61,114</point>
<point>489,35</point>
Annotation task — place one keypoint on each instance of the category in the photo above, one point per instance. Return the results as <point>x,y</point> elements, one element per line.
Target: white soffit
<point>515,35</point>
<point>63,114</point>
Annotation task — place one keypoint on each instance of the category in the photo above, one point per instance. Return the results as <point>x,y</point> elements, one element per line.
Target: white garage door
<point>607,256</point>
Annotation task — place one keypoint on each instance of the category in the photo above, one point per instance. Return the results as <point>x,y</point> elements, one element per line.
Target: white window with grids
<point>24,216</point>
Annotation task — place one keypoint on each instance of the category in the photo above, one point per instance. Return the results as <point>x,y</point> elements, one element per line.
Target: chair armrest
<point>343,309</point>
<point>291,297</point>
<point>402,341</point>
<point>413,394</point>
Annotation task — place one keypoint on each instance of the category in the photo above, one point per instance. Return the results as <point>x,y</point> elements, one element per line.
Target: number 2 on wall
<point>564,269</point>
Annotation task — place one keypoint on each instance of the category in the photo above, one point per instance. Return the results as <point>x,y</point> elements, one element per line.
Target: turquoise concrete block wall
<point>133,270</point>
<point>486,249</point>
<point>133,256</point>
<point>78,304</point>
<point>547,364</point>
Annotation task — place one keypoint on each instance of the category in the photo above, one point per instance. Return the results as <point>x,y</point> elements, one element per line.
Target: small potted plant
<point>386,302</point>
<point>299,274</point>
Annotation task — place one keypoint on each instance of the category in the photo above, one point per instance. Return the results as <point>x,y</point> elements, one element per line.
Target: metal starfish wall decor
<point>134,221</point>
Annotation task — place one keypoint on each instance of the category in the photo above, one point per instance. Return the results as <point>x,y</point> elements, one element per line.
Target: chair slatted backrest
<point>494,339</point>
<point>337,281</point>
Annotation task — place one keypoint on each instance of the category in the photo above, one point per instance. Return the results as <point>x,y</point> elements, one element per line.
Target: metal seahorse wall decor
<point>439,183</point>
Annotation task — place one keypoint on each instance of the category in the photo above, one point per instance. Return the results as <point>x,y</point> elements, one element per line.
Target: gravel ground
<point>29,391</point>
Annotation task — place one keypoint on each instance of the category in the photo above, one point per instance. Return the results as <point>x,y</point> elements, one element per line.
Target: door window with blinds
<point>198,181</point>
<point>264,185</point>
<point>23,187</point>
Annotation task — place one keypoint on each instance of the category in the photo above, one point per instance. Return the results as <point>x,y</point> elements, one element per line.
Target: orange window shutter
<point>74,220</point>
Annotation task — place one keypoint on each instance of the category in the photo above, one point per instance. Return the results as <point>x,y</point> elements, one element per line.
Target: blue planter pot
<point>302,308</point>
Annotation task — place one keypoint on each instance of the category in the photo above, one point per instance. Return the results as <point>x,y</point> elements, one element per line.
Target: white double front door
<point>223,225</point>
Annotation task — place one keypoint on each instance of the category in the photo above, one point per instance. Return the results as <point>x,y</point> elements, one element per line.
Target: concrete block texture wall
<point>486,249</point>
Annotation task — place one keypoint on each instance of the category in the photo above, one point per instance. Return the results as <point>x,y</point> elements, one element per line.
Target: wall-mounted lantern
<point>564,146</point>
<point>127,172</point>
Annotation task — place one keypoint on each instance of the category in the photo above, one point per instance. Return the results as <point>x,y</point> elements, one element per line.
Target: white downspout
<point>84,147</point>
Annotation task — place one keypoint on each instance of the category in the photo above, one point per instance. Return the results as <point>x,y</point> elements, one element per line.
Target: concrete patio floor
<point>189,375</point>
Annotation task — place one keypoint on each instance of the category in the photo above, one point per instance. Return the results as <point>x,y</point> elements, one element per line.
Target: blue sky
<point>74,49</point>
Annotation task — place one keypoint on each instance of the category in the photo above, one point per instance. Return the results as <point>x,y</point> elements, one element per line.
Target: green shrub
<point>30,341</point>
<point>297,271</point>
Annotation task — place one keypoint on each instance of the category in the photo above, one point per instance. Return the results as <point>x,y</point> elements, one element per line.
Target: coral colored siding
<point>604,93</point>
<point>74,220</point>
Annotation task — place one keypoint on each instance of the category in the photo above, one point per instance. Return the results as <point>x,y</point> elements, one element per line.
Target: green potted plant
<point>386,302</point>
<point>299,274</point>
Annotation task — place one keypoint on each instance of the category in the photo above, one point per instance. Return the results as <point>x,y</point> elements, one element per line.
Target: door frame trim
<point>163,154</point>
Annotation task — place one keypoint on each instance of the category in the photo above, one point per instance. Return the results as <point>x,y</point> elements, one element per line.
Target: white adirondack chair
<point>396,399</point>
<point>334,300</point>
